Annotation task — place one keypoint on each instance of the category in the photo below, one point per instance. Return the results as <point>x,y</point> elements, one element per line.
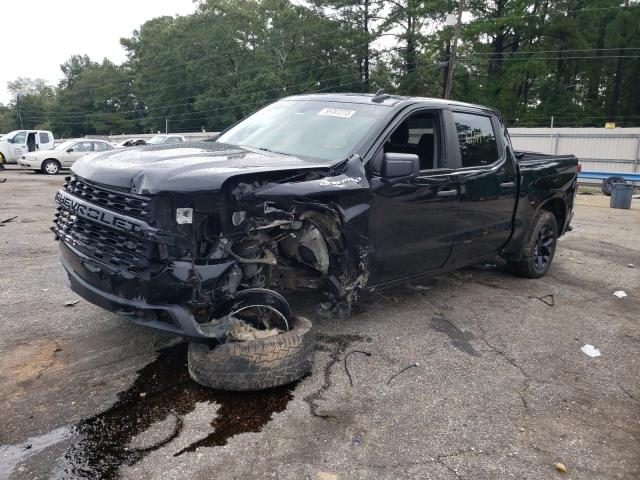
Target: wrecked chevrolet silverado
<point>335,194</point>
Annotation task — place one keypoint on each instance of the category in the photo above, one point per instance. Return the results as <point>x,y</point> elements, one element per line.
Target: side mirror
<point>397,167</point>
<point>10,140</point>
<point>69,150</point>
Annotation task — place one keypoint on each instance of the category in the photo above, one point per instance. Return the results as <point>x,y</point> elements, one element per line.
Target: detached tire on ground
<point>539,247</point>
<point>610,182</point>
<point>255,364</point>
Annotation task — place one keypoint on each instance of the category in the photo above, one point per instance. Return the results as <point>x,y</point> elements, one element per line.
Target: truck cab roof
<point>387,100</point>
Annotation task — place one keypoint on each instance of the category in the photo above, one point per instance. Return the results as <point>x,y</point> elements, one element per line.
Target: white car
<point>166,140</point>
<point>62,156</point>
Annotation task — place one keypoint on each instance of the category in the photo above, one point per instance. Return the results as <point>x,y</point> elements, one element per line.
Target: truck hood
<point>190,167</point>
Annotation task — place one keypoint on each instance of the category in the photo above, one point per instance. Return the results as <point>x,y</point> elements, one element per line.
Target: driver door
<point>19,146</point>
<point>412,222</point>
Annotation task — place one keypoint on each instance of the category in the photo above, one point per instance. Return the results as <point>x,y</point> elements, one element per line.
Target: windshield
<point>13,134</point>
<point>65,145</point>
<point>323,130</point>
<point>157,140</point>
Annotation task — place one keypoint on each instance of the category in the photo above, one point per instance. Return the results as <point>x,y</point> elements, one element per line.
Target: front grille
<point>103,243</point>
<point>125,203</point>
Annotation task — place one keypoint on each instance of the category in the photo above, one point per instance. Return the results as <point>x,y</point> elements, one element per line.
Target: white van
<point>20,142</point>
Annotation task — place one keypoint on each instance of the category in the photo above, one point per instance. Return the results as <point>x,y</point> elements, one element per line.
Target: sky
<point>39,35</point>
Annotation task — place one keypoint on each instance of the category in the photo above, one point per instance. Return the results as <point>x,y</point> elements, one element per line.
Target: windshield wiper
<point>272,151</point>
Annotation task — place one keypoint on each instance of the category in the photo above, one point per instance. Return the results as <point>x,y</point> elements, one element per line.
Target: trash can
<point>621,195</point>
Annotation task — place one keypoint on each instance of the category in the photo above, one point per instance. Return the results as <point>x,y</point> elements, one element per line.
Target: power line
<point>567,12</point>
<point>222,56</point>
<point>472,58</point>
<point>99,114</point>
<point>527,52</point>
<point>259,103</point>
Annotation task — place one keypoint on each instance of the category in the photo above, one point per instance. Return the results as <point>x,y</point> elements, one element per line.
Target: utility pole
<point>166,125</point>
<point>454,47</point>
<point>18,117</point>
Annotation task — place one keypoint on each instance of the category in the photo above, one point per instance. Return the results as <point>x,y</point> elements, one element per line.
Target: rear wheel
<point>539,247</point>
<point>255,364</point>
<point>609,183</point>
<point>51,167</point>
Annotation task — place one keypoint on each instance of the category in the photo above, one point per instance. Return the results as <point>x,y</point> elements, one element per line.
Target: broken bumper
<point>170,318</point>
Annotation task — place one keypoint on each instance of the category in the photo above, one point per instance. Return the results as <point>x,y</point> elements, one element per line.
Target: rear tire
<point>539,247</point>
<point>50,167</point>
<point>255,364</point>
<point>608,184</point>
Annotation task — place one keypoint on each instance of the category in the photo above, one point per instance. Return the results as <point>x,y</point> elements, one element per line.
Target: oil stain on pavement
<point>100,444</point>
<point>459,339</point>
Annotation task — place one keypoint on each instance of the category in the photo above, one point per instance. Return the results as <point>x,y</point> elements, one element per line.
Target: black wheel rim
<point>543,247</point>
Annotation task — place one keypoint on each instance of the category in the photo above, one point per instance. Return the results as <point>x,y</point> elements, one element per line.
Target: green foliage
<point>576,60</point>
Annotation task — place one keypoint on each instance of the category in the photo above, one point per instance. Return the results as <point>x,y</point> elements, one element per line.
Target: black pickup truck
<point>334,194</point>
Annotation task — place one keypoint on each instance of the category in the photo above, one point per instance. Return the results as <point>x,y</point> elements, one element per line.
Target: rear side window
<point>44,137</point>
<point>101,146</point>
<point>478,146</point>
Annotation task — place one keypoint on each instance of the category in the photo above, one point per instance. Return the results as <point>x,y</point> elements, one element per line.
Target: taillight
<point>579,168</point>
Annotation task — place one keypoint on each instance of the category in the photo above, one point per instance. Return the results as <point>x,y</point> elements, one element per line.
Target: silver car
<point>62,156</point>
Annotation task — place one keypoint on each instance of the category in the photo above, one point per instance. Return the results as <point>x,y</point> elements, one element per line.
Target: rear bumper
<point>171,318</point>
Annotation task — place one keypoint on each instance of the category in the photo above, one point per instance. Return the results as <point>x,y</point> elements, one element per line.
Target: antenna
<point>380,96</point>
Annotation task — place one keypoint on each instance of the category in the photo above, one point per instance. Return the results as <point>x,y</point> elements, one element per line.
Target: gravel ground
<point>497,386</point>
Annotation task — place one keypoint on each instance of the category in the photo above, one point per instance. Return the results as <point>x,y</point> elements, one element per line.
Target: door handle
<point>508,185</point>
<point>447,193</point>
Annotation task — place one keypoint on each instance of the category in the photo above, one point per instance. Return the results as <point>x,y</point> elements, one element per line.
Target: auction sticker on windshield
<point>337,112</point>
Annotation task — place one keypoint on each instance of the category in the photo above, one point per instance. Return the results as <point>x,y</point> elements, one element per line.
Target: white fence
<point>598,149</point>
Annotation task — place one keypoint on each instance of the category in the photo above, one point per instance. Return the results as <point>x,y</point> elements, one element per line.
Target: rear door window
<point>101,146</point>
<point>478,145</point>
<point>83,147</point>
<point>44,137</point>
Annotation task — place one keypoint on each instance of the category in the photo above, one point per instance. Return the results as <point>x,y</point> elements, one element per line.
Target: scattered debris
<point>585,193</point>
<point>3,180</point>
<point>402,371</point>
<point>143,394</point>
<point>546,299</point>
<point>70,303</point>
<point>242,331</point>
<point>521,429</point>
<point>631,265</point>
<point>346,368</point>
<point>357,439</point>
<point>419,288</point>
<point>486,266</point>
<point>590,350</point>
<point>620,293</point>
<point>7,220</point>
<point>326,476</point>
<point>560,467</point>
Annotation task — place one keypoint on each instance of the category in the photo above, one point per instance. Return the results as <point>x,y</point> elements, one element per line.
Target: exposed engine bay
<point>300,247</point>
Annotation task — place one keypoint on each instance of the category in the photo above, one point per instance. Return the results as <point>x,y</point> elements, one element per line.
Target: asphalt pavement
<point>475,374</point>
